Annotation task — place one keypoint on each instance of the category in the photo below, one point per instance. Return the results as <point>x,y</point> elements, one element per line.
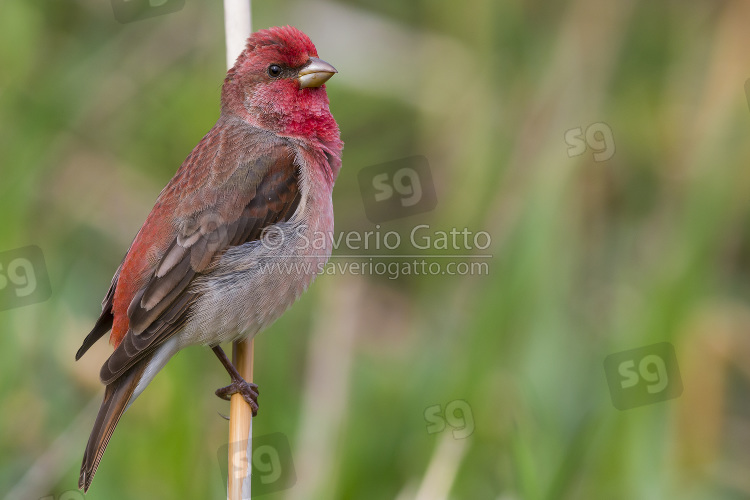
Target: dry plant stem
<point>240,426</point>
<point>238,26</point>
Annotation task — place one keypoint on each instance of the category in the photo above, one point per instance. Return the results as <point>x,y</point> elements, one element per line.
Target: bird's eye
<point>274,70</point>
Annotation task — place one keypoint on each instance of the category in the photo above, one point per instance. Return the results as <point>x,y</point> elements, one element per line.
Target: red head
<point>277,84</point>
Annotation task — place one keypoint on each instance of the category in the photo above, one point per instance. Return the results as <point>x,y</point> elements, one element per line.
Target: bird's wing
<point>259,192</point>
<point>106,318</point>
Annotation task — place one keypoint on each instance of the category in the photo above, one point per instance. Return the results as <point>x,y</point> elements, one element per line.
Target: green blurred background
<point>589,258</point>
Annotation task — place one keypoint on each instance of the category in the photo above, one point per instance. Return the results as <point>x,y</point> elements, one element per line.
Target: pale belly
<point>253,284</point>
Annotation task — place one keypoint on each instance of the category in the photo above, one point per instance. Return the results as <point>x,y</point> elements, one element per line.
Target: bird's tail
<point>117,395</point>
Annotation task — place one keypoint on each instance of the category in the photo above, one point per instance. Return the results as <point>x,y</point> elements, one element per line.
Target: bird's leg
<point>248,390</point>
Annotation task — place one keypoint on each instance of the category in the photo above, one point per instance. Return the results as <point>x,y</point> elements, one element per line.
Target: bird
<point>225,249</point>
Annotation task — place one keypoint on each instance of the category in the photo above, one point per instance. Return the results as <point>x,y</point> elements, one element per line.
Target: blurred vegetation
<point>588,258</point>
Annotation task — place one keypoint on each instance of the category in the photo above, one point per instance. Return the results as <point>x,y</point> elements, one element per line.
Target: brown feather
<point>116,398</point>
<point>104,323</point>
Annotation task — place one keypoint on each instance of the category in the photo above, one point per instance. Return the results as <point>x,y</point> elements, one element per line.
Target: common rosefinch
<point>255,191</point>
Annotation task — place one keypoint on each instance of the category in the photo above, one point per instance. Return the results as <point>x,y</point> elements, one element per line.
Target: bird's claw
<point>248,390</point>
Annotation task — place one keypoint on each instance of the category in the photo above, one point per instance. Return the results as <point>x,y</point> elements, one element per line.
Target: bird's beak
<point>316,73</point>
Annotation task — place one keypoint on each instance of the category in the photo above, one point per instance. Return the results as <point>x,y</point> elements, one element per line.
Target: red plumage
<point>193,273</point>
<point>289,115</point>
